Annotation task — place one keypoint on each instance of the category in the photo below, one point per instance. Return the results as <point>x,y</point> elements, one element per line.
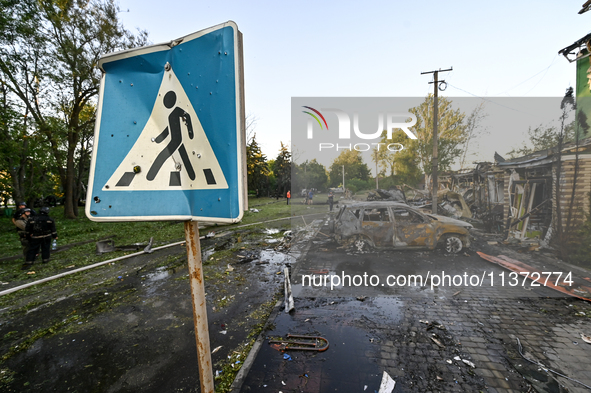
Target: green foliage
<point>358,185</point>
<point>403,165</point>
<point>542,138</point>
<point>257,167</point>
<point>310,174</point>
<point>48,65</point>
<point>407,165</point>
<point>355,168</point>
<point>452,134</point>
<point>282,170</point>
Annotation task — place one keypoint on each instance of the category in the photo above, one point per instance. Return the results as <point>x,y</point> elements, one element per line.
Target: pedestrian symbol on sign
<point>176,139</point>
<point>186,161</point>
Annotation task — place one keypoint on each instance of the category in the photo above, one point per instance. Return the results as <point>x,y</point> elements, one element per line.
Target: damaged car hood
<point>449,220</point>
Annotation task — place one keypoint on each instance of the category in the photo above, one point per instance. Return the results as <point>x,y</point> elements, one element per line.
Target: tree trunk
<point>70,205</point>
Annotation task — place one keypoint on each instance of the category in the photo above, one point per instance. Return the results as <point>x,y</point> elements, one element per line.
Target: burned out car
<point>399,226</point>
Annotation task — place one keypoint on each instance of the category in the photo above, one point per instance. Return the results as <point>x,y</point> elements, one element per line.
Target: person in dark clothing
<point>40,230</point>
<point>330,199</point>
<point>18,213</point>
<point>21,224</point>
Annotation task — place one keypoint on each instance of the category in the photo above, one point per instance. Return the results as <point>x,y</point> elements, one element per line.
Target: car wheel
<point>453,244</point>
<point>362,244</point>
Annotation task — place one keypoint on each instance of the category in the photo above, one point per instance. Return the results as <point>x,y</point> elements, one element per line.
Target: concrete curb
<point>248,362</point>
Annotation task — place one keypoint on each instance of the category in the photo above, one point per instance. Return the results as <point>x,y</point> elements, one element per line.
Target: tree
<point>473,131</point>
<point>49,62</point>
<point>257,167</point>
<point>25,166</point>
<point>543,138</point>
<point>452,134</point>
<point>355,168</point>
<point>403,163</point>
<point>282,170</point>
<point>310,174</point>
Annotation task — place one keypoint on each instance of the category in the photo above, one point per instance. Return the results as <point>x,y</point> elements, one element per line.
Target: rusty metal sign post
<point>199,307</point>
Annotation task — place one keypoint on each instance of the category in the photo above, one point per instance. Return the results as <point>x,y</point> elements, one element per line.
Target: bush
<point>355,185</point>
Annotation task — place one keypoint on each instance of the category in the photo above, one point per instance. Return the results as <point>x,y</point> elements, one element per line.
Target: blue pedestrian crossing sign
<point>169,138</point>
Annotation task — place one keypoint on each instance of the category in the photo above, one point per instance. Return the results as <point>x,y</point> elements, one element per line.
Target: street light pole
<point>437,84</point>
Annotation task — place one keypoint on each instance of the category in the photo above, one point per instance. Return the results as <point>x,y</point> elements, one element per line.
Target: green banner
<point>584,90</point>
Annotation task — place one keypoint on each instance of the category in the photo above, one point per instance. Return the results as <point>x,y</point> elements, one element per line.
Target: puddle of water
<point>389,307</point>
<point>155,279</point>
<point>272,261</point>
<point>160,274</point>
<point>350,356</point>
<point>272,256</point>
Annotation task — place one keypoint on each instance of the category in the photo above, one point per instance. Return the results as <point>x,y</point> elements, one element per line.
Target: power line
<point>486,99</point>
<point>533,76</point>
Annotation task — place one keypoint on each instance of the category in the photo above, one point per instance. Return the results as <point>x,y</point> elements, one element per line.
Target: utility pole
<point>376,158</point>
<point>343,178</point>
<point>437,85</point>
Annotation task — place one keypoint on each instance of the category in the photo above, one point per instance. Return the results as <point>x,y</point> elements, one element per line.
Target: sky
<point>379,49</point>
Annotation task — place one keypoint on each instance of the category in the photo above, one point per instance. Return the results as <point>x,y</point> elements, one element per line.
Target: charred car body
<point>397,225</point>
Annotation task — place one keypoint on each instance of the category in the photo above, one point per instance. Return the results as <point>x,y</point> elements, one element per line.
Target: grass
<point>229,367</point>
<point>123,233</point>
<point>85,285</point>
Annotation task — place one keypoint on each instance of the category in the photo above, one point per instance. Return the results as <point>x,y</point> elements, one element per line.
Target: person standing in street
<point>40,230</point>
<point>310,196</point>
<point>330,199</point>
<point>288,196</point>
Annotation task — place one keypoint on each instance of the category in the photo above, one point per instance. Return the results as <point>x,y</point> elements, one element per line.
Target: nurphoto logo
<point>344,129</point>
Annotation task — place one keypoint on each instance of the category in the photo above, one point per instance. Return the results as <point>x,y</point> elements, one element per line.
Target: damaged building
<point>530,204</point>
<point>518,196</point>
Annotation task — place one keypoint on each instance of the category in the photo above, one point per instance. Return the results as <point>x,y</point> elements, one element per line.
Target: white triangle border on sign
<point>133,172</point>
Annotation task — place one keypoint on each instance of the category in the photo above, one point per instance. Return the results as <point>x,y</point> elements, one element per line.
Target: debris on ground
<point>289,303</point>
<point>387,384</point>
<point>108,245</point>
<point>586,338</point>
<point>567,284</point>
<point>469,363</point>
<point>302,343</point>
<point>248,256</point>
<point>435,324</point>
<point>436,341</point>
<point>395,195</point>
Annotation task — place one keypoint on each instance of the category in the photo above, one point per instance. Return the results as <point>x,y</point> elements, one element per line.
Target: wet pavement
<point>485,337</point>
<point>128,326</point>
